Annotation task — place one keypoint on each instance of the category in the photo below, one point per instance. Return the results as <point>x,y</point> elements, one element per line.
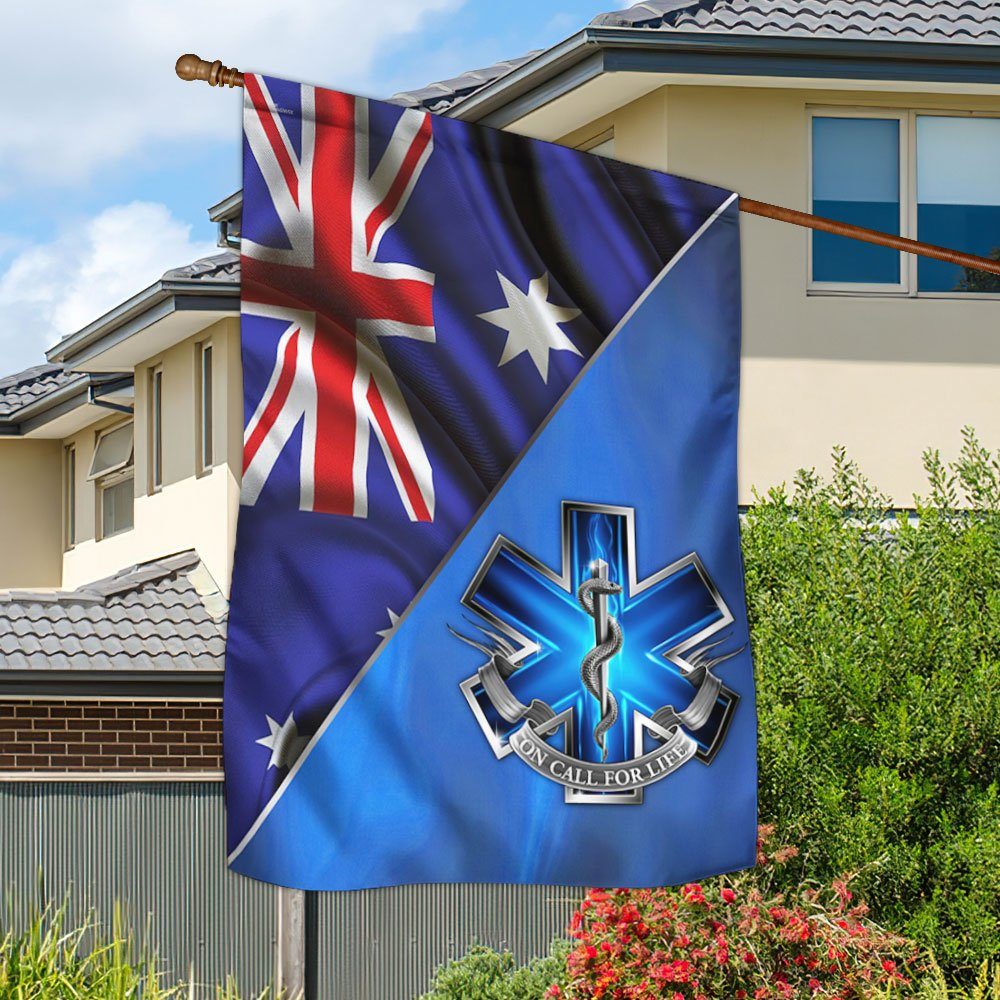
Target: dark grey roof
<point>164,616</point>
<point>442,95</point>
<point>933,21</point>
<point>966,21</point>
<point>20,390</point>
<point>223,266</point>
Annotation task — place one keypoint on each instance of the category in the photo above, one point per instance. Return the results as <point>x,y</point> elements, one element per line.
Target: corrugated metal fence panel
<point>158,848</point>
<point>385,944</point>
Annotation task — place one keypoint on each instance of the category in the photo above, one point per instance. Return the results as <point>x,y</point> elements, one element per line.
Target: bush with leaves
<point>485,974</point>
<point>736,937</point>
<point>876,640</point>
<point>50,959</point>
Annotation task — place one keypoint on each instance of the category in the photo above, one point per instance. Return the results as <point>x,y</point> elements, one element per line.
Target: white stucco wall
<point>884,376</point>
<point>190,510</point>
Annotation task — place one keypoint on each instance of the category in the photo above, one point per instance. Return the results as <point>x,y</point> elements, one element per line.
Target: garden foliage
<point>876,641</point>
<point>52,960</point>
<point>737,937</point>
<point>490,975</point>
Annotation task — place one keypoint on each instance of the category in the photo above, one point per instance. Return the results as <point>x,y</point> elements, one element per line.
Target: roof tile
<point>935,21</point>
<point>23,388</point>
<point>150,617</point>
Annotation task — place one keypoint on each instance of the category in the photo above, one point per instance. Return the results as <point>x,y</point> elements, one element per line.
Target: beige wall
<point>191,510</point>
<point>884,376</point>
<point>30,513</point>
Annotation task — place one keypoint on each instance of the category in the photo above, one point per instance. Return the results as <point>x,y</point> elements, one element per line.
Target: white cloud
<point>49,290</point>
<point>107,89</point>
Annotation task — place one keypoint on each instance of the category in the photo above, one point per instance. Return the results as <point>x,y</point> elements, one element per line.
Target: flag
<point>487,619</point>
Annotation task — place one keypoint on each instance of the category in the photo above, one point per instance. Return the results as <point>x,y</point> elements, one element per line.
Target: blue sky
<point>108,162</point>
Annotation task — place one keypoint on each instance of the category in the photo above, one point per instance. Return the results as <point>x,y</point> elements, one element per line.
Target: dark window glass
<point>958,198</point>
<point>156,424</point>
<point>207,456</point>
<point>116,507</point>
<point>70,497</point>
<point>855,179</point>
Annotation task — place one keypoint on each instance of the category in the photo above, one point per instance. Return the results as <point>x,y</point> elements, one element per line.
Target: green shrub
<point>733,937</point>
<point>934,986</point>
<point>52,961</point>
<point>877,654</point>
<point>485,974</point>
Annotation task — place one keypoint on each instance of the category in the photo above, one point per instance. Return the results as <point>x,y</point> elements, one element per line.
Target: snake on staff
<point>590,668</point>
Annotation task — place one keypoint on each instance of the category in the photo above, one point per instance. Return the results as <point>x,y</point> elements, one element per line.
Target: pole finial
<point>192,67</point>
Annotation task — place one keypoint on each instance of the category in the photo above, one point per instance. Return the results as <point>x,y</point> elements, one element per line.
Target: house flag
<point>488,619</point>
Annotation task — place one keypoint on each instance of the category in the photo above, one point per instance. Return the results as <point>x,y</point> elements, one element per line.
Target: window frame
<point>851,287</point>
<point>204,415</point>
<point>129,462</point>
<point>908,287</point>
<point>154,423</point>
<point>112,479</point>
<point>69,497</point>
<point>595,141</point>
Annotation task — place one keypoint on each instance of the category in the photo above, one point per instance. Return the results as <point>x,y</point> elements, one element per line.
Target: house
<point>120,457</point>
<point>880,114</point>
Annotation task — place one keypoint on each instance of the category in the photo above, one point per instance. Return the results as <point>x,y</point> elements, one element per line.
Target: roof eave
<point>131,309</point>
<point>34,682</point>
<point>71,396</point>
<point>228,208</point>
<point>598,49</point>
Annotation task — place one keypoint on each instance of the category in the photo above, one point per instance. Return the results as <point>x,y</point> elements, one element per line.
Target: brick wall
<point>89,735</point>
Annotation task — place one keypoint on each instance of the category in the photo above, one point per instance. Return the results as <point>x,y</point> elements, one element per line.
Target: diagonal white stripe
<point>295,219</point>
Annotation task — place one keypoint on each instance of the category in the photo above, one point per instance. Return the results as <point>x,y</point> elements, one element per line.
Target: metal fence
<point>158,849</point>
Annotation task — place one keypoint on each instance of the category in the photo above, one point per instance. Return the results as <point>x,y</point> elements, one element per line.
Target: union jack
<point>337,300</point>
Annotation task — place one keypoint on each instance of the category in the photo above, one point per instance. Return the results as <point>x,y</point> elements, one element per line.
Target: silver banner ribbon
<point>530,745</point>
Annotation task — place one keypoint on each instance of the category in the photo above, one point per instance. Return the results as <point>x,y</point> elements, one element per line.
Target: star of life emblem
<point>599,681</point>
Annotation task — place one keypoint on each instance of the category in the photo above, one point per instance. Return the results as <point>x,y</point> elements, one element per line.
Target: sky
<point>108,162</point>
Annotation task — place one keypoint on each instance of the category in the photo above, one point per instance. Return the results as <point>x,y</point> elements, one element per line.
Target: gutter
<point>80,391</point>
<point>598,49</point>
<point>226,215</point>
<point>33,685</point>
<point>156,294</point>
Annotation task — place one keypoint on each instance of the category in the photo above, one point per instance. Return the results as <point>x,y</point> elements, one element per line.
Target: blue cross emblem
<point>665,619</point>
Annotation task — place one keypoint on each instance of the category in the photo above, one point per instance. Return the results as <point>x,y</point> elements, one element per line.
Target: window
<point>958,198</point>
<point>69,497</point>
<point>155,429</point>
<point>927,176</point>
<point>116,504</point>
<point>113,451</point>
<point>856,179</point>
<point>204,397</point>
<point>602,145</point>
<point>113,472</point>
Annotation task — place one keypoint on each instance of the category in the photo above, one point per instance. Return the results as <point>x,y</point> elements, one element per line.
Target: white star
<point>284,742</point>
<point>385,633</point>
<point>531,322</point>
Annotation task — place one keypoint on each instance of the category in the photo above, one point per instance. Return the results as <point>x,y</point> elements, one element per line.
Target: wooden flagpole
<point>191,67</point>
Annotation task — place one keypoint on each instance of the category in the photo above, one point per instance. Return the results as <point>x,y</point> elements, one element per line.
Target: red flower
<point>728,896</point>
<point>693,893</point>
